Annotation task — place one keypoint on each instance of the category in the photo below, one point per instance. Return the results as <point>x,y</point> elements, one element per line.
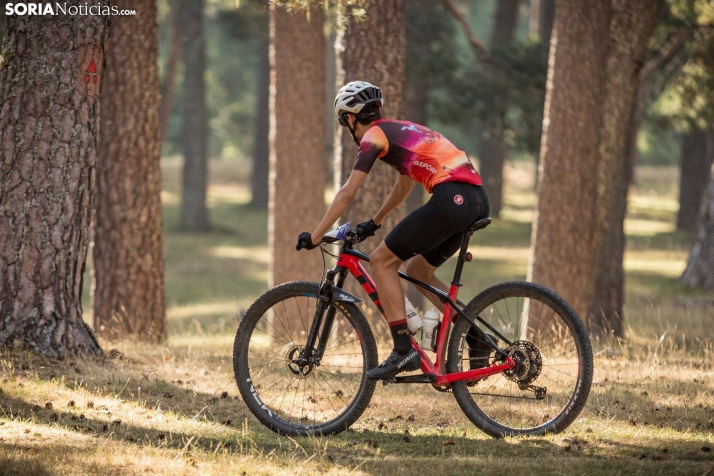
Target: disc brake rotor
<point>296,366</point>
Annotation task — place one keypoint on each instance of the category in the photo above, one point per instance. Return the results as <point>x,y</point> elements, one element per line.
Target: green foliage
<point>688,97</point>
<point>519,81</point>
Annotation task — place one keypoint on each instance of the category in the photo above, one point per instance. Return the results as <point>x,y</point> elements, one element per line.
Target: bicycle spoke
<point>547,352</point>
<point>298,393</point>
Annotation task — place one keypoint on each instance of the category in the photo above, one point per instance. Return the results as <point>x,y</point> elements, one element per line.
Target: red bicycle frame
<point>350,260</point>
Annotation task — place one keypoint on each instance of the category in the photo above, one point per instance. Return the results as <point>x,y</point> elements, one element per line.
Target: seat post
<point>462,258</point>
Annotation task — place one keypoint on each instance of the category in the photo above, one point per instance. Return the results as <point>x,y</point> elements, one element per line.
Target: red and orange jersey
<point>421,154</point>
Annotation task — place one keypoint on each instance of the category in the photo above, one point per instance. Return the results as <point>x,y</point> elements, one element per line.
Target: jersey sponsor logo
<point>458,199</point>
<point>424,165</point>
<point>429,136</point>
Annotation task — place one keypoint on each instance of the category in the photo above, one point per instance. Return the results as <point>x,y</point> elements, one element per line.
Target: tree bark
<point>375,51</point>
<point>697,157</point>
<point>492,149</point>
<point>49,128</point>
<point>606,314</point>
<point>261,145</point>
<point>168,85</point>
<point>700,265</point>
<point>129,298</point>
<point>564,244</point>
<point>297,171</point>
<point>2,28</point>
<point>194,214</point>
<point>589,106</point>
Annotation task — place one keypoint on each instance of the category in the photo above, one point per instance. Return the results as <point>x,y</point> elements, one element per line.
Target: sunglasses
<point>343,120</point>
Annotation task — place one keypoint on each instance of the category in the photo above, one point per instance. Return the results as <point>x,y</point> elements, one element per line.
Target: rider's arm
<point>399,193</point>
<point>342,200</point>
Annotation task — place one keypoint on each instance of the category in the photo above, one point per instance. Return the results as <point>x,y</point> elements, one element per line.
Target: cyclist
<point>425,238</point>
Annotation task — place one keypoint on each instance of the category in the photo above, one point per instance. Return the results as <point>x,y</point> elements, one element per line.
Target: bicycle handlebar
<point>343,233</point>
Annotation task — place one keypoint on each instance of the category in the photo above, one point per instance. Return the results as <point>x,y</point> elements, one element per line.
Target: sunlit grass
<point>175,409</point>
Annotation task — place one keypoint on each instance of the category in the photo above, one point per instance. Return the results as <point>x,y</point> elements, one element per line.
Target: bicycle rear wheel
<point>317,399</point>
<point>551,383</point>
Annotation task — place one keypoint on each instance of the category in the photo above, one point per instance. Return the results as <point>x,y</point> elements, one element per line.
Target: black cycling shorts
<point>435,230</point>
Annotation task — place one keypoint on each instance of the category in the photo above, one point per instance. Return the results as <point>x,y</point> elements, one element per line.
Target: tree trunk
<point>194,214</point>
<point>416,95</point>
<point>700,266</point>
<point>546,20</point>
<point>2,28</point>
<point>297,171</point>
<point>49,131</point>
<point>504,24</point>
<point>492,150</point>
<point>128,245</point>
<point>168,85</point>
<point>697,157</point>
<point>261,145</point>
<point>564,248</point>
<point>544,13</point>
<point>606,313</point>
<point>589,106</point>
<point>375,51</point>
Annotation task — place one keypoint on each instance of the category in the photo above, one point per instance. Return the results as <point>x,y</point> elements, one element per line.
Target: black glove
<point>366,229</point>
<point>305,241</point>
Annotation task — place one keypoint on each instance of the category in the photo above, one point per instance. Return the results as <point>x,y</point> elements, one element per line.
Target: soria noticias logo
<point>58,8</point>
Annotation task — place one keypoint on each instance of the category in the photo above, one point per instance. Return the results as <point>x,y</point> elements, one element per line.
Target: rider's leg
<point>419,268</point>
<point>404,358</point>
<point>384,265</point>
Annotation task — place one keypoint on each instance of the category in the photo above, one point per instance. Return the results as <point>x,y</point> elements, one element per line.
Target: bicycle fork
<point>324,318</point>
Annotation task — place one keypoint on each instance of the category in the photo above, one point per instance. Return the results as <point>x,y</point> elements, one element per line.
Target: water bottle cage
<point>435,336</point>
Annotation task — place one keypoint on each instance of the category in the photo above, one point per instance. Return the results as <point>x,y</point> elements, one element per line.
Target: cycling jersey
<point>421,154</point>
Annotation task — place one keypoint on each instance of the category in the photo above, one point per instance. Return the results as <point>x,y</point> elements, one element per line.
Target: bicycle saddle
<point>479,225</point>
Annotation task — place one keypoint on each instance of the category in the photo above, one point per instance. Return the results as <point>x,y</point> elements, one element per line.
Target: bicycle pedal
<point>387,381</point>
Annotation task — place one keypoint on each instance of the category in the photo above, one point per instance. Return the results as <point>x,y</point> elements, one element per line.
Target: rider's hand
<point>366,229</point>
<point>305,241</point>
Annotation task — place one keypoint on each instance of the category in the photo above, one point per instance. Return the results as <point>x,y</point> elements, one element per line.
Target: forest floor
<point>175,408</point>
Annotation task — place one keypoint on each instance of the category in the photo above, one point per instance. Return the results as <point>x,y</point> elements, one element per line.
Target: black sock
<point>401,336</point>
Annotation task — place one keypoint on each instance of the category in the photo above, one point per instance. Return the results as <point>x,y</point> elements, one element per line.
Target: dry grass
<point>174,409</point>
<point>154,410</point>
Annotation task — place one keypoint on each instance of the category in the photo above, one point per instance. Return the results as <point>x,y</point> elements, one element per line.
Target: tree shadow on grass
<point>377,452</point>
<point>127,382</point>
<point>15,409</point>
<point>21,464</point>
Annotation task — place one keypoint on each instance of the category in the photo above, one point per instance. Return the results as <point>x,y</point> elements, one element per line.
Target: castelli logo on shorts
<point>458,199</point>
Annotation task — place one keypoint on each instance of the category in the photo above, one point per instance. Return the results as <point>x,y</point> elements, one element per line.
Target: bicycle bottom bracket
<point>296,363</point>
<point>529,362</point>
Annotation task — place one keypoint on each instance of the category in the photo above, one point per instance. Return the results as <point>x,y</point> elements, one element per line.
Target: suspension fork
<point>324,298</point>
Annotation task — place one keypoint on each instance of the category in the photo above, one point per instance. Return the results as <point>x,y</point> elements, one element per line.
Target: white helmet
<point>353,96</point>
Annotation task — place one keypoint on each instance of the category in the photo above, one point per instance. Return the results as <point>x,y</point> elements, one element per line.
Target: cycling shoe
<point>395,364</point>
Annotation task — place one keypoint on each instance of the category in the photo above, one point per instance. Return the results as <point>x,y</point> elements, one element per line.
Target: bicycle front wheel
<point>320,399</point>
<point>546,337</point>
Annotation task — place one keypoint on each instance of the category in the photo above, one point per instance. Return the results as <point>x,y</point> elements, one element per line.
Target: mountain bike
<point>302,351</point>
